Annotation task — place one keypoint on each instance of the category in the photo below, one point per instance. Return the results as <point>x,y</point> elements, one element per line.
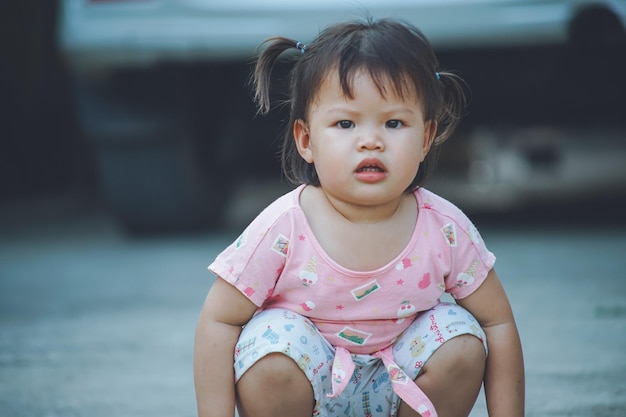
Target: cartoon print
<point>380,382</point>
<point>474,234</point>
<point>417,346</point>
<point>406,309</point>
<point>289,315</point>
<point>304,361</point>
<point>425,281</point>
<point>244,346</point>
<point>449,233</point>
<point>367,407</point>
<point>363,291</point>
<point>357,378</point>
<point>307,305</point>
<point>467,277</point>
<point>354,336</point>
<point>397,375</point>
<point>404,264</point>
<point>476,331</point>
<point>249,291</point>
<point>271,335</point>
<point>308,276</point>
<point>338,374</point>
<point>454,326</point>
<point>281,245</point>
<point>310,327</point>
<point>423,410</point>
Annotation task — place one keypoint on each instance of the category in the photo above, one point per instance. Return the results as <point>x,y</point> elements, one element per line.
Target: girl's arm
<point>504,374</point>
<point>224,312</point>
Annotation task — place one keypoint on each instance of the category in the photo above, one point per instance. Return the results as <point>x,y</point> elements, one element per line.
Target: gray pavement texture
<point>94,323</point>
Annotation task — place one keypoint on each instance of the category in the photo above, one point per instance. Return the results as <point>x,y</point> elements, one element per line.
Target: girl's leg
<point>448,350</point>
<point>452,377</point>
<point>275,386</point>
<point>281,363</point>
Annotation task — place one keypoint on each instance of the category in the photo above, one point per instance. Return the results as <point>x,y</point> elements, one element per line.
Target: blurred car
<point>160,91</point>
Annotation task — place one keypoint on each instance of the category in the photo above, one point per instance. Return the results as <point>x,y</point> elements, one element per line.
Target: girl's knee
<point>275,378</point>
<point>464,354</point>
<point>455,370</point>
<point>277,370</point>
<point>274,386</point>
<point>470,351</point>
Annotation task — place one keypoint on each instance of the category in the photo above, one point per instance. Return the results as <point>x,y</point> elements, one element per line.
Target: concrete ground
<point>94,323</point>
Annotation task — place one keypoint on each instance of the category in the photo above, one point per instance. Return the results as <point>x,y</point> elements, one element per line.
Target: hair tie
<point>437,75</point>
<point>301,46</point>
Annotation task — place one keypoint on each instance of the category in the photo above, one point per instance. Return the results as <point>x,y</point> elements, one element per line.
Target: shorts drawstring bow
<point>407,389</point>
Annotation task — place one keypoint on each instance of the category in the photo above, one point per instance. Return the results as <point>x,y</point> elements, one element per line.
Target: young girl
<point>329,300</point>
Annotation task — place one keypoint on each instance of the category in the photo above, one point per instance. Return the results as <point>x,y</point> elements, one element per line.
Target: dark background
<point>41,149</point>
<point>45,149</point>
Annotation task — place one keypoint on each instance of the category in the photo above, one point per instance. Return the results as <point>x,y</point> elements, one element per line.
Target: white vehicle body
<point>160,90</point>
<point>122,32</point>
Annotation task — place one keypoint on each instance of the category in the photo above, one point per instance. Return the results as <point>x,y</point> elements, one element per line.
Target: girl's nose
<point>371,139</point>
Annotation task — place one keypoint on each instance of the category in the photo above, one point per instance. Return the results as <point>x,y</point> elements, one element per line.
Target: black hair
<point>388,50</point>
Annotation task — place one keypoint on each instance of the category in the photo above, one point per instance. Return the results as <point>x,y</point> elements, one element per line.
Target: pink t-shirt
<point>278,263</point>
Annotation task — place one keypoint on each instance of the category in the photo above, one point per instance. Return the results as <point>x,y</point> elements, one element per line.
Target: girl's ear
<point>430,132</point>
<point>303,140</point>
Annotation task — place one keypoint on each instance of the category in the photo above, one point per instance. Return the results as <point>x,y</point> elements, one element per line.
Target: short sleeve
<point>470,259</point>
<point>254,261</point>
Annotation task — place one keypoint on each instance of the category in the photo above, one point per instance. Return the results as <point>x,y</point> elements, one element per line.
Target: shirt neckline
<point>350,272</point>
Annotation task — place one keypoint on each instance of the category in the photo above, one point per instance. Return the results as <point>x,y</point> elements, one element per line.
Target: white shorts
<point>369,392</point>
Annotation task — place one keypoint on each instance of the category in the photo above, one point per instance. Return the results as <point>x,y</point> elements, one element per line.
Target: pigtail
<point>455,93</point>
<point>449,106</point>
<point>272,49</point>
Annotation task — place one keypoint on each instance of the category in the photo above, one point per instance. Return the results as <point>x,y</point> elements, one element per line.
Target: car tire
<point>150,176</point>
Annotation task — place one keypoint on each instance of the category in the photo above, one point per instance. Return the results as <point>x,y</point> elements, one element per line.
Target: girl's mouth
<point>371,165</point>
<point>370,168</point>
<point>371,171</point>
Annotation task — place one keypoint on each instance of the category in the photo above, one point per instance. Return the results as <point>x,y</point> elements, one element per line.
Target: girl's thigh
<point>429,331</point>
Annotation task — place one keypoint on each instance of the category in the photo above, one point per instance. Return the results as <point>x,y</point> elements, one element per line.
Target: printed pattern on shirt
<point>278,263</point>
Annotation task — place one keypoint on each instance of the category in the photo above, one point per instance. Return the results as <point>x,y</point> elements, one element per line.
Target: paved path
<point>96,324</point>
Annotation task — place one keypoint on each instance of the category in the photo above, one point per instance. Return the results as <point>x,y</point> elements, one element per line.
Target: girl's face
<point>366,149</point>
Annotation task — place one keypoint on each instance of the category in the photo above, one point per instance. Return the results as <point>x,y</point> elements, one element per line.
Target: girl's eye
<point>345,124</point>
<point>394,124</point>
